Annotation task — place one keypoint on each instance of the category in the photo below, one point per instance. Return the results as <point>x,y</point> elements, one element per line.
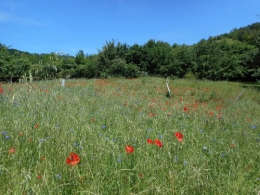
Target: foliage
<point>231,56</point>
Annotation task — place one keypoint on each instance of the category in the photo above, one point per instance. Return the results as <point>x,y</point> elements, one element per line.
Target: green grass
<point>96,119</point>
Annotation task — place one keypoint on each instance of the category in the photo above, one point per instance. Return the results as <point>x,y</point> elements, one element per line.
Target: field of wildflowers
<point>126,136</point>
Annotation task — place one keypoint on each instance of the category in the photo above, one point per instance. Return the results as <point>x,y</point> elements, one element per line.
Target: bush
<point>190,75</point>
<point>131,71</point>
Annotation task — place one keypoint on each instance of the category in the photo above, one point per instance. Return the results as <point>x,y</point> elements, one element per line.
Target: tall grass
<point>42,123</point>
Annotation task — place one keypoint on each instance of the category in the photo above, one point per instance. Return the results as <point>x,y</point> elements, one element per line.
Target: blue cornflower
<point>58,176</point>
<point>103,126</point>
<point>4,133</point>
<point>201,130</point>
<point>15,103</point>
<point>119,160</point>
<point>253,126</point>
<point>72,131</point>
<point>7,137</point>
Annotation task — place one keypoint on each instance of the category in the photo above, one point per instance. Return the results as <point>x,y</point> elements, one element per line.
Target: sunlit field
<point>129,136</point>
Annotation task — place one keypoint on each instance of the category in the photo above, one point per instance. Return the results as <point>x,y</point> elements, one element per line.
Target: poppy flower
<point>232,146</point>
<point>179,136</point>
<point>39,176</point>
<point>151,114</point>
<point>11,150</point>
<point>185,109</point>
<point>129,149</point>
<point>73,159</point>
<point>149,141</point>
<point>158,143</point>
<point>36,125</point>
<point>1,90</point>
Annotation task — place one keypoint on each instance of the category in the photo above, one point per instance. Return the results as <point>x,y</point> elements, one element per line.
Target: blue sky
<point>70,25</point>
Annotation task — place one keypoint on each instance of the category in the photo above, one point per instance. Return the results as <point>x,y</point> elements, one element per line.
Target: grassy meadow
<point>42,123</point>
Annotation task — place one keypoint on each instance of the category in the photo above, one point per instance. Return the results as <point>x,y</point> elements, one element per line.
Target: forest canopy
<point>233,56</point>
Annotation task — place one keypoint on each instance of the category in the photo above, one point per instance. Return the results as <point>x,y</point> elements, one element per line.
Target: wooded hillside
<point>233,56</point>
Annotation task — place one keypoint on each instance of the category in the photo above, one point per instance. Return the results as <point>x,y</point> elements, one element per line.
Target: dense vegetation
<point>232,56</point>
<point>125,136</point>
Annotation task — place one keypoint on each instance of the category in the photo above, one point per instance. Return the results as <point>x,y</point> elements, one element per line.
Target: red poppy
<point>149,141</point>
<point>179,136</point>
<point>129,149</point>
<point>39,176</point>
<point>185,109</point>
<point>158,143</point>
<point>151,114</point>
<point>36,126</point>
<point>73,159</point>
<point>232,146</point>
<point>1,90</point>
<point>11,150</point>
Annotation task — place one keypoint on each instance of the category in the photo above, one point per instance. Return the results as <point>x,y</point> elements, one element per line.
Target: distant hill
<point>249,34</point>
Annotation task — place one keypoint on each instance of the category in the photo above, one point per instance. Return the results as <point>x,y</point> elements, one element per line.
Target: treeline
<point>233,56</point>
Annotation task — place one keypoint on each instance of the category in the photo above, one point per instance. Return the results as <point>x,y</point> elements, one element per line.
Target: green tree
<point>5,71</point>
<point>107,56</point>
<point>154,56</point>
<point>80,57</point>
